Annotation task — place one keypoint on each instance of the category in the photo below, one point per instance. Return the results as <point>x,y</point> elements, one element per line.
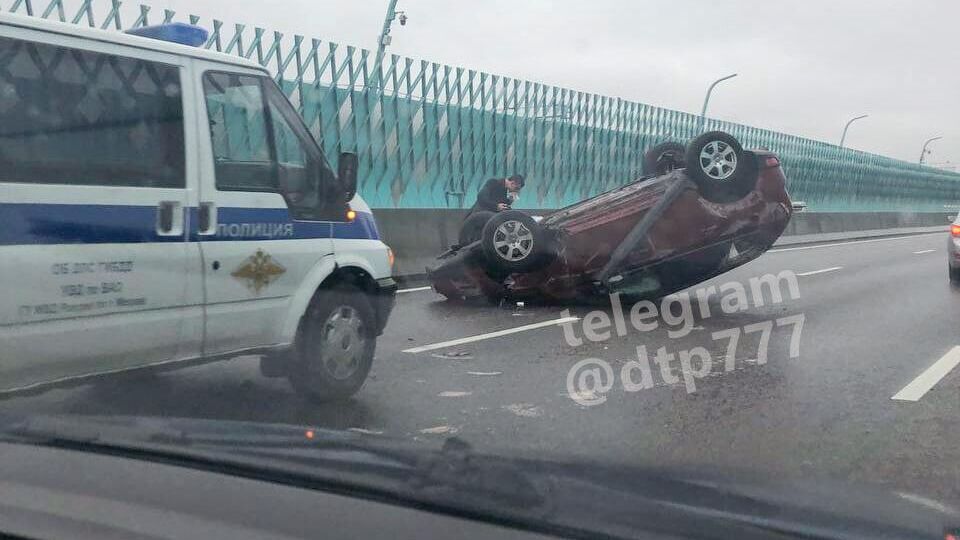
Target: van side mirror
<point>347,174</point>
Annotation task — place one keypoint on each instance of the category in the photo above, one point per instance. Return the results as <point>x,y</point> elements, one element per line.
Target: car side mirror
<point>347,174</point>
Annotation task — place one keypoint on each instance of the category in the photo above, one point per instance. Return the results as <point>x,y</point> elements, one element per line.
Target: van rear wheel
<point>335,345</point>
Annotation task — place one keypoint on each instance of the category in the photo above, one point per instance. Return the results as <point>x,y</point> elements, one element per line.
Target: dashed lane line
<point>415,289</point>
<point>491,335</point>
<point>929,378</point>
<point>822,271</point>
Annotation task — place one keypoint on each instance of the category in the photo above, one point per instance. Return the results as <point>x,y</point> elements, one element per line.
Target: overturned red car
<point>666,231</point>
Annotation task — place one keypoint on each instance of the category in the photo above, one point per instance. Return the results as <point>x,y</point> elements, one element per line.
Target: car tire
<point>513,242</point>
<point>717,164</point>
<point>472,228</point>
<point>663,158</point>
<point>954,274</point>
<point>335,345</point>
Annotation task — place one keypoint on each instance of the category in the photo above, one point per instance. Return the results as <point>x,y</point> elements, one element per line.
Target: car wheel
<point>513,242</point>
<point>716,163</point>
<point>663,158</point>
<point>335,345</point>
<point>472,228</point>
<point>954,274</point>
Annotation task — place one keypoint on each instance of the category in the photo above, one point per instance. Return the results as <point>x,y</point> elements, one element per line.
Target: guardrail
<point>431,133</point>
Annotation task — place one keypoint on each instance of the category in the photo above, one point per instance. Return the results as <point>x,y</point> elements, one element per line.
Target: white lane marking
<point>415,289</point>
<point>929,378</point>
<point>924,251</point>
<point>365,431</point>
<point>490,335</point>
<point>781,250</point>
<point>487,374</point>
<point>440,430</point>
<point>823,271</point>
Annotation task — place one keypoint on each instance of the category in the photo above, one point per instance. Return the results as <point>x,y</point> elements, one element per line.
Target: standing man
<point>498,194</point>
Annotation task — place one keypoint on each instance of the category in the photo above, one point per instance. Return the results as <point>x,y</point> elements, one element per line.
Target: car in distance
<point>953,252</point>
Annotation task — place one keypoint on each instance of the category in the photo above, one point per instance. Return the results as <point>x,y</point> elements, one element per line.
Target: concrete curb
<point>418,235</point>
<point>420,279</point>
<point>805,239</point>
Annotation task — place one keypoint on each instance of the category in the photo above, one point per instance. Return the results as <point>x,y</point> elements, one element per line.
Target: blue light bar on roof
<point>185,34</point>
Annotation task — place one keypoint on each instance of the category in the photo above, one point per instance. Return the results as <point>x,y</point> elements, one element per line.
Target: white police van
<point>161,204</point>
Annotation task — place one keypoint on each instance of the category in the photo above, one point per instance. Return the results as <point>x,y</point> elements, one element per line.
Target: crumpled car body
<point>646,239</point>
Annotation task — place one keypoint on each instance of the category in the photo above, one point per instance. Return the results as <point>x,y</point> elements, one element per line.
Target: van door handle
<point>207,218</point>
<point>169,218</point>
<point>166,217</point>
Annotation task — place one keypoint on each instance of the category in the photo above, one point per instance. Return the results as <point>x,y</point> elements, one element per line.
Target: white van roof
<point>120,38</point>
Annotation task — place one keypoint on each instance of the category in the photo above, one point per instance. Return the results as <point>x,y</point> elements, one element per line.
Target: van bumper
<point>384,298</point>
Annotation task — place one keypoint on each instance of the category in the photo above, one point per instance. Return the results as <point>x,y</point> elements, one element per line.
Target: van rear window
<point>70,116</point>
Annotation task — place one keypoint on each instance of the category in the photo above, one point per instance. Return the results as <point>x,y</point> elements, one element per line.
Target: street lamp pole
<point>846,127</point>
<point>383,40</point>
<point>706,99</point>
<point>923,153</point>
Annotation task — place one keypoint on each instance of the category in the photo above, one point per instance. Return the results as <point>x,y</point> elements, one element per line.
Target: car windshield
<point>657,236</point>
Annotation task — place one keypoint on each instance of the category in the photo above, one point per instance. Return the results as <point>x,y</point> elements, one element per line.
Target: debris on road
<point>453,355</point>
<point>528,410</point>
<point>582,396</point>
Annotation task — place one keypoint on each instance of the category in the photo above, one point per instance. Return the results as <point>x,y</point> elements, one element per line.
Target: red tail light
<point>955,230</point>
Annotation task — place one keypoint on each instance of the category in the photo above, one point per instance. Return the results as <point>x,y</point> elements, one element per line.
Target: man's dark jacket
<point>493,192</point>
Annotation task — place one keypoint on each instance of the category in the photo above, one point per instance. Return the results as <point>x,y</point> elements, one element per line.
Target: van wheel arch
<point>278,364</point>
<point>349,275</point>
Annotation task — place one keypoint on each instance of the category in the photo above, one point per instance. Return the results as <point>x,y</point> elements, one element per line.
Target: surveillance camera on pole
<point>385,39</point>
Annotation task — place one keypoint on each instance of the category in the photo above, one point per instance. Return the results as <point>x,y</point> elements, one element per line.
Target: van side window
<point>304,177</point>
<point>70,116</point>
<point>260,144</point>
<point>238,121</point>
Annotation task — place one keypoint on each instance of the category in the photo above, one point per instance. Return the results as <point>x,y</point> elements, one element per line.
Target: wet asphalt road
<point>876,314</point>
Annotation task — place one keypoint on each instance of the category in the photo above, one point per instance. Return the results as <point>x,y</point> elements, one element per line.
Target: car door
<point>258,231</point>
<point>93,187</point>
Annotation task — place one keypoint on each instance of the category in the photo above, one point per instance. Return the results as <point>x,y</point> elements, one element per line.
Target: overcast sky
<point>805,67</point>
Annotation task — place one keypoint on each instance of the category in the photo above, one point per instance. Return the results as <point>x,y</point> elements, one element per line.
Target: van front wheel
<point>335,345</point>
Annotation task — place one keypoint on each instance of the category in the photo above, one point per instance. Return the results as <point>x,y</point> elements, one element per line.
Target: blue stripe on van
<point>108,224</point>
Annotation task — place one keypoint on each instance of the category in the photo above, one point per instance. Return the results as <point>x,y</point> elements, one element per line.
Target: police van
<point>161,204</point>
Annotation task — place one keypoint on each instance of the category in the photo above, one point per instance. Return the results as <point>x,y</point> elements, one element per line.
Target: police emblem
<point>259,271</point>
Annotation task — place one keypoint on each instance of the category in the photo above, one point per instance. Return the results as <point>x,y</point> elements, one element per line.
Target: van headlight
<point>390,257</point>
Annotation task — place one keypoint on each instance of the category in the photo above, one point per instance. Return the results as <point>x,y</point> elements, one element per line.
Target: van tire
<point>335,345</point>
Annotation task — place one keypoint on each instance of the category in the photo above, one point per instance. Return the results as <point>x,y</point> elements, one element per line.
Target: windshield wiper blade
<point>304,456</point>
